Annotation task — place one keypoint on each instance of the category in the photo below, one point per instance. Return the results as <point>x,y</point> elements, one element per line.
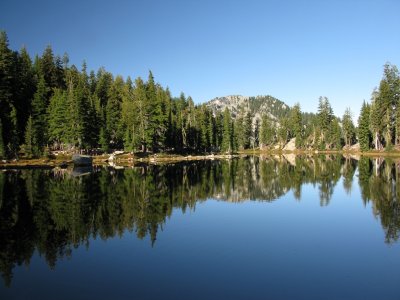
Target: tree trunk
<point>376,141</point>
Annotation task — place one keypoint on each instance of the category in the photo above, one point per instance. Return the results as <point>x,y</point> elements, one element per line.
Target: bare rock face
<point>291,145</point>
<point>352,148</point>
<point>257,107</point>
<point>232,102</point>
<point>355,147</point>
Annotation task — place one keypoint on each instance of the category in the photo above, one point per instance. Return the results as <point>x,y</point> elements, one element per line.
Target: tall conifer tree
<point>364,134</point>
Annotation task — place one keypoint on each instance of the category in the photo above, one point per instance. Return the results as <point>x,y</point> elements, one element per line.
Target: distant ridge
<point>257,106</point>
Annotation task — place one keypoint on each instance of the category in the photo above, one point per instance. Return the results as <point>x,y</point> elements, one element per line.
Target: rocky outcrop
<point>291,145</point>
<point>352,148</point>
<point>257,106</point>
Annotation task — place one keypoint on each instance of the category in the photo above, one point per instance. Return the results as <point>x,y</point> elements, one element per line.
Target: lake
<point>323,227</point>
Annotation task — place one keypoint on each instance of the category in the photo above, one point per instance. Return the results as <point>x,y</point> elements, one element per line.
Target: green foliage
<point>247,131</point>
<point>325,117</point>
<point>364,134</point>
<point>29,139</point>
<point>2,150</point>
<point>103,140</point>
<point>39,117</point>
<point>334,135</point>
<point>297,125</point>
<point>113,113</point>
<point>143,127</point>
<point>267,133</point>
<point>283,132</point>
<point>65,108</point>
<point>11,97</point>
<point>58,121</point>
<point>227,135</point>
<point>14,139</point>
<point>51,69</point>
<point>383,108</point>
<point>397,125</point>
<point>275,107</point>
<point>239,131</point>
<point>348,128</point>
<point>256,135</point>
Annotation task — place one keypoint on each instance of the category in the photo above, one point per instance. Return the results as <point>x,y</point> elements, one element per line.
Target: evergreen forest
<point>47,105</point>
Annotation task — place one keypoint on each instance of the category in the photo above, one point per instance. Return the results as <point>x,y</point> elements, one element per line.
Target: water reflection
<point>379,181</point>
<point>55,211</point>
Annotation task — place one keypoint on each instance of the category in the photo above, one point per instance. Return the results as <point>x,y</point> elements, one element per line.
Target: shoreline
<point>129,159</point>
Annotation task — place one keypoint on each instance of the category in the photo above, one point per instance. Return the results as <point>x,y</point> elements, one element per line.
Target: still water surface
<point>255,228</point>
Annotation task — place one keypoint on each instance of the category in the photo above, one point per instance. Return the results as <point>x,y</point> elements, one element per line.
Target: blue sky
<point>293,50</point>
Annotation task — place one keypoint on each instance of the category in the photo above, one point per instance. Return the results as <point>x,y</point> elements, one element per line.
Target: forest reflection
<point>54,211</point>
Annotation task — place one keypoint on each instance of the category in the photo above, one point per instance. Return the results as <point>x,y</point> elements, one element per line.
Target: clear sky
<point>293,50</point>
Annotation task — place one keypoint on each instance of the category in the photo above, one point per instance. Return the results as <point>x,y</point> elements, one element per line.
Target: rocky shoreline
<point>127,159</point>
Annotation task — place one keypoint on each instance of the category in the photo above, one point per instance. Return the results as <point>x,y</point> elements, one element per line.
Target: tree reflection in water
<point>55,211</point>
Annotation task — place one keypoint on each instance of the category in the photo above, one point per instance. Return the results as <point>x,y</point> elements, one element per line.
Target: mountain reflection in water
<point>54,211</point>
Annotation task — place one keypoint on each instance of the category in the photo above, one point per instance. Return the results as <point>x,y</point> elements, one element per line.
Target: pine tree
<point>190,124</point>
<point>334,135</point>
<point>267,132</point>
<point>247,130</point>
<point>103,140</point>
<point>325,117</point>
<point>104,81</point>
<point>388,127</point>
<point>52,71</point>
<point>39,120</point>
<point>6,88</point>
<point>203,116</point>
<point>376,117</point>
<point>160,118</point>
<point>2,150</point>
<point>14,140</point>
<point>143,132</point>
<point>364,135</point>
<point>348,128</point>
<point>24,90</point>
<point>389,90</point>
<point>227,137</point>
<point>256,134</point>
<point>152,111</point>
<point>29,142</point>
<point>397,125</point>
<point>113,112</point>
<point>212,131</point>
<point>181,121</point>
<point>128,115</point>
<point>79,112</point>
<point>384,103</point>
<point>297,125</point>
<point>156,108</point>
<point>88,110</point>
<point>240,134</point>
<point>59,126</point>
<point>283,132</point>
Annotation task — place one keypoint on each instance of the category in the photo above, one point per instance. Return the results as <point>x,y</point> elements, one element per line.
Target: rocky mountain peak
<point>257,106</point>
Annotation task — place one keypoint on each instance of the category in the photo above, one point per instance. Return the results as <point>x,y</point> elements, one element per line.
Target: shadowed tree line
<point>47,104</point>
